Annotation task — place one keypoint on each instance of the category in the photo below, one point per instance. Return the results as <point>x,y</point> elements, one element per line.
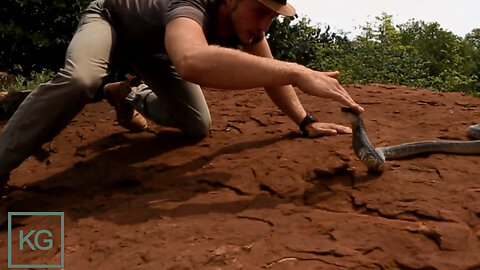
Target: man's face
<point>250,19</point>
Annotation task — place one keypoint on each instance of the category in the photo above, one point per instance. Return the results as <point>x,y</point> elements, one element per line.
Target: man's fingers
<point>329,87</point>
<point>352,104</point>
<point>343,129</point>
<point>328,129</point>
<point>338,128</point>
<point>332,74</point>
<point>322,132</point>
<point>347,100</point>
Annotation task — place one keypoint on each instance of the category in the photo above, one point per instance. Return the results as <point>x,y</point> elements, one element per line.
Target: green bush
<point>415,54</point>
<point>19,82</point>
<point>36,33</point>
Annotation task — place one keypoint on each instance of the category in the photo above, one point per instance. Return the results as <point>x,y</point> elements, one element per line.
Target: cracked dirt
<point>255,194</point>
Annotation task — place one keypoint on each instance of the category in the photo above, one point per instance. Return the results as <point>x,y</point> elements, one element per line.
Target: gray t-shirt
<point>142,22</point>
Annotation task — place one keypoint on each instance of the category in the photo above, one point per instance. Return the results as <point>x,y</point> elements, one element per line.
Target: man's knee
<point>199,128</point>
<point>88,85</point>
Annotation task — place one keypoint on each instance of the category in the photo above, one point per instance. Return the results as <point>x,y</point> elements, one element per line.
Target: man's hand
<point>325,84</point>
<point>326,129</point>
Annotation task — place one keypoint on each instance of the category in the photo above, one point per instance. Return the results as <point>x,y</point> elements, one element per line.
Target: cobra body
<point>375,158</point>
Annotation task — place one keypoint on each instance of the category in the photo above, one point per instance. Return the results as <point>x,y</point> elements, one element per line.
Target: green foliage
<point>35,34</point>
<point>19,82</point>
<point>449,60</point>
<point>471,53</point>
<point>415,54</point>
<point>377,56</point>
<point>298,41</point>
<point>293,42</point>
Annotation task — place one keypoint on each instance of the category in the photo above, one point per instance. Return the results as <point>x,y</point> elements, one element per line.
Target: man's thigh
<point>89,55</point>
<point>184,101</point>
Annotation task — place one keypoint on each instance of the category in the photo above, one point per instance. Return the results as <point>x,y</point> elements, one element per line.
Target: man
<point>175,46</point>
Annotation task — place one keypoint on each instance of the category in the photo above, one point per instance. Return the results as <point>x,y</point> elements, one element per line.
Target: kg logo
<point>26,245</point>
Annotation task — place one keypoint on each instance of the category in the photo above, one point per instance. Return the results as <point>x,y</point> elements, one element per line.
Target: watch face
<point>307,120</point>
<point>311,118</point>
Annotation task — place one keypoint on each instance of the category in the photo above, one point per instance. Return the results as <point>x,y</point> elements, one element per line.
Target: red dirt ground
<point>255,194</point>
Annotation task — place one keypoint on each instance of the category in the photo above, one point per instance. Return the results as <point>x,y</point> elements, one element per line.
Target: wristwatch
<point>306,121</point>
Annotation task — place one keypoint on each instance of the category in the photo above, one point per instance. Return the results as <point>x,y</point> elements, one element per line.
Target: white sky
<point>458,16</point>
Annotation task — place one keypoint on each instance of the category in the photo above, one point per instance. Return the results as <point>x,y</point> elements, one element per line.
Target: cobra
<point>375,158</point>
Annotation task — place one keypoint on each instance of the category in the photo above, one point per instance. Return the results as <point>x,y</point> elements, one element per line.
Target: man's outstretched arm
<point>287,100</point>
<point>225,68</point>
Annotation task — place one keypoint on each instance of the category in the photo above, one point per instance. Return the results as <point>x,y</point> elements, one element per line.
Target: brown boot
<point>127,116</point>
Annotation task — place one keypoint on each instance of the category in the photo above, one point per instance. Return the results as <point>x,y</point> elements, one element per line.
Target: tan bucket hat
<point>279,6</point>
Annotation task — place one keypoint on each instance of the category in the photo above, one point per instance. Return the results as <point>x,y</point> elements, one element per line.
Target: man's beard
<point>254,40</point>
<point>258,38</point>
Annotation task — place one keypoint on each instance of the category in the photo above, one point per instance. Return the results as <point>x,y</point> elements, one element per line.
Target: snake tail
<point>430,147</point>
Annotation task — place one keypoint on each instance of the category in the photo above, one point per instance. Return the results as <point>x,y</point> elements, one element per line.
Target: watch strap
<point>306,121</point>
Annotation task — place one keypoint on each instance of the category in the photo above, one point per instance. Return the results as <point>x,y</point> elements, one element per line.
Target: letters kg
<point>26,239</point>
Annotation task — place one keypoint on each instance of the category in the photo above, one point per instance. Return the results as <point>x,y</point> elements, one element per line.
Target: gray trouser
<point>52,105</point>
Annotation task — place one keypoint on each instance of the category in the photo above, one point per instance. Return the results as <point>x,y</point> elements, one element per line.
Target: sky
<point>459,16</point>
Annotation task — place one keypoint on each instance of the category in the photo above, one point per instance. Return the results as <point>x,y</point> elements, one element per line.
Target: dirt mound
<point>255,193</point>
